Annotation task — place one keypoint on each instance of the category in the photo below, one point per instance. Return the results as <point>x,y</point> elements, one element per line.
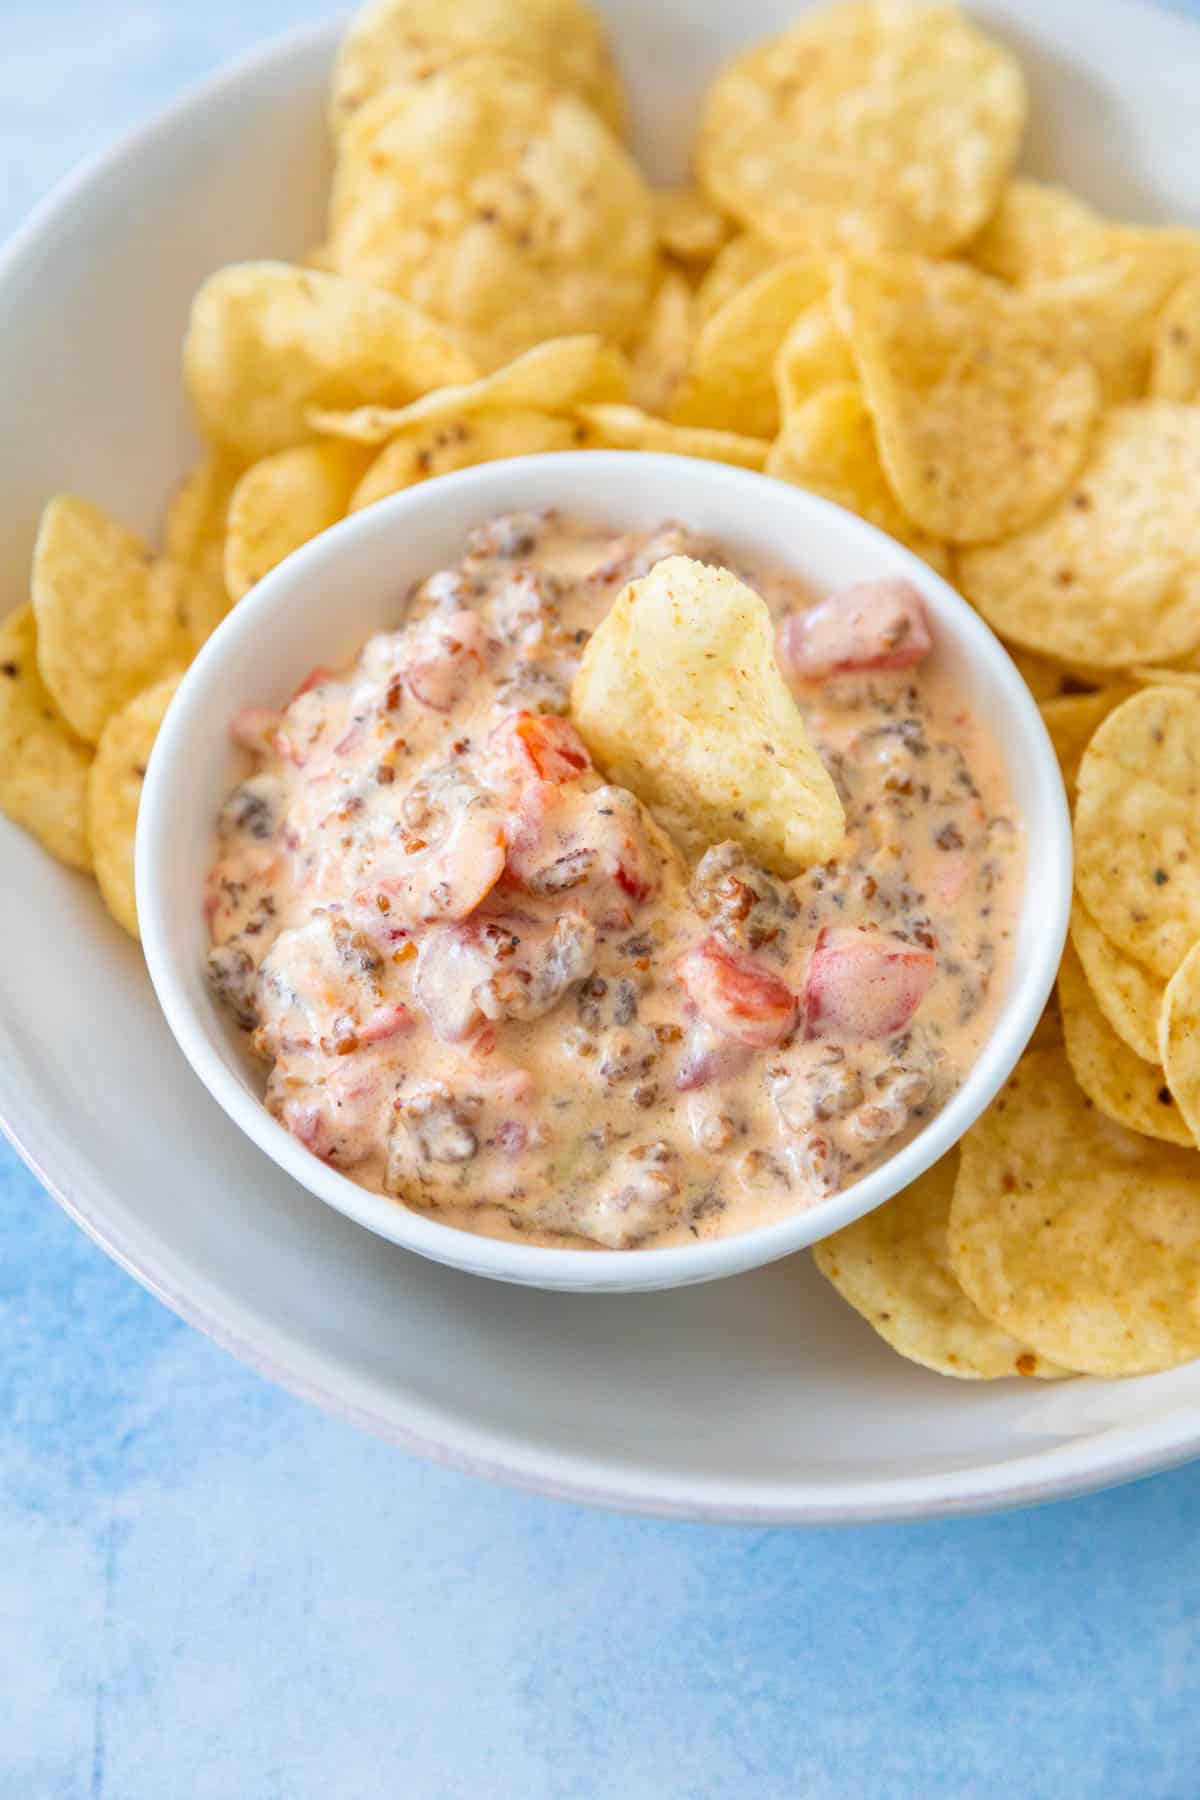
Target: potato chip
<point>1135,827</point>
<point>284,501</point>
<point>1109,313</point>
<point>109,620</point>
<point>893,1267</point>
<point>115,793</point>
<point>626,428</point>
<point>1114,1077</point>
<point>690,228</point>
<point>730,383</point>
<point>426,450</point>
<point>828,446</point>
<point>1078,1237</point>
<point>1041,675</point>
<point>660,353</point>
<point>390,41</point>
<point>1112,575</point>
<point>195,539</point>
<point>1037,232</point>
<point>1175,374</point>
<point>552,377</point>
<point>1073,719</point>
<point>1164,675</point>
<point>679,698</point>
<point>983,416</point>
<point>1178,1037</point>
<point>497,203</point>
<point>43,765</point>
<point>1048,1032</point>
<point>266,342</point>
<point>875,126</point>
<point>1129,996</point>
<point>743,259</point>
<point>813,355</point>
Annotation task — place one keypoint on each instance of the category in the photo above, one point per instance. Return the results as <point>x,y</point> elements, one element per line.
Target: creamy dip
<point>486,983</point>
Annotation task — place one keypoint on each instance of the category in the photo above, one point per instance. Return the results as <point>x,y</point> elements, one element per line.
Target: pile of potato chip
<point>860,297</point>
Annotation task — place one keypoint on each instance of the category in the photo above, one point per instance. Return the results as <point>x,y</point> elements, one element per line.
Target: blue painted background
<point>210,1592</point>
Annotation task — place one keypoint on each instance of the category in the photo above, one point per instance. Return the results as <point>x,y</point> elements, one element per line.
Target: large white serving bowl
<point>761,1398</point>
<point>320,606</point>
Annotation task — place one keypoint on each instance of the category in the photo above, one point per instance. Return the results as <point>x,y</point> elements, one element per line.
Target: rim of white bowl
<point>1104,1459</point>
<point>528,481</point>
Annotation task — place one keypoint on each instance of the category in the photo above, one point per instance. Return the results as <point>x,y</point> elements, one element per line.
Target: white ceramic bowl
<point>763,1398</point>
<point>320,606</point>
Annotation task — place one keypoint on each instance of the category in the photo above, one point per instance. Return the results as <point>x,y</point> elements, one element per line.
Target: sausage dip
<point>484,982</point>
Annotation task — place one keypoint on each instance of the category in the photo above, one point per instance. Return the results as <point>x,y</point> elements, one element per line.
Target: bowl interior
<point>321,605</point>
<point>761,1398</point>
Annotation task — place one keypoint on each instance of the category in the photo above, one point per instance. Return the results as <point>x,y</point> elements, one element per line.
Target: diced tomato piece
<point>453,652</point>
<point>863,984</point>
<point>386,1022</point>
<point>871,625</point>
<point>737,995</point>
<point>534,747</point>
<point>632,881</point>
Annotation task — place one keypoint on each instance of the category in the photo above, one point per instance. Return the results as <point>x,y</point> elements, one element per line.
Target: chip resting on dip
<point>680,699</point>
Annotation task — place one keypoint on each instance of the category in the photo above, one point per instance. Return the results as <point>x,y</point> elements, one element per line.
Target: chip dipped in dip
<point>488,983</point>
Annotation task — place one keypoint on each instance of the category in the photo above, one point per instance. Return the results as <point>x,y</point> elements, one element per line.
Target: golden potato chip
<point>743,259</point>
<point>1041,675</point>
<point>426,450</point>
<point>1178,1037</point>
<point>873,125</point>
<point>659,355</point>
<point>1176,369</point>
<point>1048,1033</point>
<point>1037,232</point>
<point>497,203</point>
<point>1129,996</point>
<point>1164,675</point>
<point>1114,1077</point>
<point>1112,576</point>
<point>730,382</point>
<point>552,377</point>
<point>983,416</point>
<point>626,428</point>
<point>828,446</point>
<point>115,793</point>
<point>1078,1237</point>
<point>893,1267</point>
<point>690,227</point>
<point>43,765</point>
<point>109,620</point>
<point>195,539</point>
<point>284,501</point>
<point>679,698</point>
<point>266,342</point>
<point>1136,865</point>
<point>390,41</point>
<point>1072,720</point>
<point>813,355</point>
<point>1109,313</point>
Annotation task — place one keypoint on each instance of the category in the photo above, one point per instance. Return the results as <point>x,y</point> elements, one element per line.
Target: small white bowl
<point>322,603</point>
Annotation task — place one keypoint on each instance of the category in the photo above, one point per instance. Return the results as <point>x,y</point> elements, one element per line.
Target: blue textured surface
<point>208,1591</point>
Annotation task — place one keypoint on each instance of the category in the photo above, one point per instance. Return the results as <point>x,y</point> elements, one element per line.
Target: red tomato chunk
<point>863,984</point>
<point>871,625</point>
